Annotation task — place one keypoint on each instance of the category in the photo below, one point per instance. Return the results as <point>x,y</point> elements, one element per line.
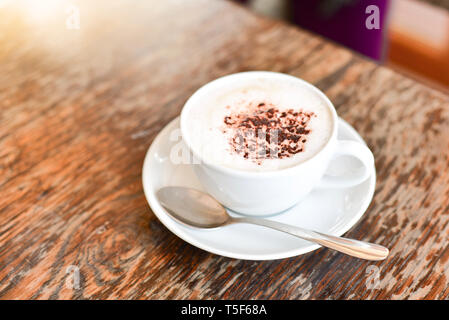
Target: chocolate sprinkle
<point>264,132</point>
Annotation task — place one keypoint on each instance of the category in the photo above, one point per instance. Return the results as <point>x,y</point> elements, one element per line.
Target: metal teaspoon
<point>198,209</point>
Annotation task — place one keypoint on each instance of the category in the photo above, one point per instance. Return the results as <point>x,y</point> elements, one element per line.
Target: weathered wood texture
<point>79,108</point>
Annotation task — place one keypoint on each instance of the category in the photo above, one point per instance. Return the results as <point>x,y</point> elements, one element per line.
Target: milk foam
<point>205,120</point>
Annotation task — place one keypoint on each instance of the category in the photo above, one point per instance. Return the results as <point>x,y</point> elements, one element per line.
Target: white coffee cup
<point>270,192</point>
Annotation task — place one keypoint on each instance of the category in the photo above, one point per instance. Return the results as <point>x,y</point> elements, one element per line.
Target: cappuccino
<point>258,124</point>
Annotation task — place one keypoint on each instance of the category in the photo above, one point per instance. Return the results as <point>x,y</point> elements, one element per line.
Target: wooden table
<point>80,107</point>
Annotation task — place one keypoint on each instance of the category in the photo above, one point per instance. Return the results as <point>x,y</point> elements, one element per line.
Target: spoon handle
<point>359,249</point>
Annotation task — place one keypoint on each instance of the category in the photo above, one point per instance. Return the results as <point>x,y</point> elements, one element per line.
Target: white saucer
<point>331,211</point>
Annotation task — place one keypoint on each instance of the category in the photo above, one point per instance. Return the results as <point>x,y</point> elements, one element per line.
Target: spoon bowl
<point>192,207</point>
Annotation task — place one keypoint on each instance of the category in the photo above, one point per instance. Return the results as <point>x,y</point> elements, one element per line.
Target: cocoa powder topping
<point>264,132</point>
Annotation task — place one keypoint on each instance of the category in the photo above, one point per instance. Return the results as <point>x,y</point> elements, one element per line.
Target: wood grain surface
<point>80,107</point>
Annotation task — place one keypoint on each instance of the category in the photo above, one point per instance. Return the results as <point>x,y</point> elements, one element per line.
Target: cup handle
<point>354,149</point>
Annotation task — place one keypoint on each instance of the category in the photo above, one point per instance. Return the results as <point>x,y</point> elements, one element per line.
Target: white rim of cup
<point>255,174</point>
